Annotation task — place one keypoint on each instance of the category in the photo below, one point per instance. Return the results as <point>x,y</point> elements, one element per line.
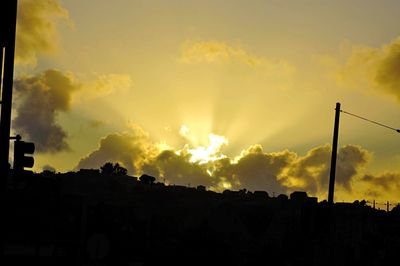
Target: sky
<point>229,94</point>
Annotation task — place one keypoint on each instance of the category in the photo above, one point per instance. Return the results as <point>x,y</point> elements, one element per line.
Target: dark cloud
<point>131,149</point>
<point>350,160</point>
<point>177,169</point>
<point>254,169</point>
<point>224,172</point>
<point>36,29</point>
<point>376,67</point>
<point>388,70</point>
<point>384,184</point>
<point>39,100</point>
<point>257,170</point>
<point>311,172</point>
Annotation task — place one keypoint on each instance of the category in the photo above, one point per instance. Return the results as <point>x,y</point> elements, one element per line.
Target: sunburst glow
<point>202,153</point>
<point>212,152</point>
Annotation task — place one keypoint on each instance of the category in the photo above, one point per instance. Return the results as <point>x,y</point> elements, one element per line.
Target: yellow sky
<point>251,72</point>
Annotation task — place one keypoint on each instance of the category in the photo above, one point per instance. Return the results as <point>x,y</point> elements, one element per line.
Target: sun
<point>203,154</point>
<point>212,152</point>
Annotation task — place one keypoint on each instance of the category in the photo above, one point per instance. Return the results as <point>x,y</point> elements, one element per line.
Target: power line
<point>371,121</point>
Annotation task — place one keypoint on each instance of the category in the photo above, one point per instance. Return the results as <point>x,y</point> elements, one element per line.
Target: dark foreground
<point>91,219</point>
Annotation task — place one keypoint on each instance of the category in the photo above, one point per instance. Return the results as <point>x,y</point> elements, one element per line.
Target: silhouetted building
<point>301,197</point>
<point>67,217</point>
<point>89,172</point>
<point>201,188</point>
<point>261,194</point>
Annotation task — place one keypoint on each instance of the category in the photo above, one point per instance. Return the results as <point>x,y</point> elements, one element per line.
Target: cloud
<point>257,170</point>
<point>254,169</point>
<point>211,152</point>
<point>385,185</point>
<point>307,172</point>
<point>105,84</point>
<point>131,149</point>
<point>37,29</point>
<point>40,99</point>
<point>367,66</point>
<point>220,52</point>
<point>178,169</point>
<point>350,160</point>
<point>311,172</point>
<point>213,51</point>
<point>96,86</point>
<point>139,154</point>
<point>387,74</point>
<point>95,123</point>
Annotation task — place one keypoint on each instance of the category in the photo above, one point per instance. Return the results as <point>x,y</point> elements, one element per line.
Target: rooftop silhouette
<point>106,217</point>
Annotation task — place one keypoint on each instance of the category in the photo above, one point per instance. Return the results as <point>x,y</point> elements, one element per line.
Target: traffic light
<point>21,148</point>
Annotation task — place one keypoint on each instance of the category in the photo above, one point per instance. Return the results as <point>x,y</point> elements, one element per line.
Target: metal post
<point>1,64</point>
<point>334,154</point>
<point>8,22</point>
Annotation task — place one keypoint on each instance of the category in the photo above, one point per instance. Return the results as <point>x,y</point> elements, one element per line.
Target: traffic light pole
<point>8,20</point>
<point>334,155</point>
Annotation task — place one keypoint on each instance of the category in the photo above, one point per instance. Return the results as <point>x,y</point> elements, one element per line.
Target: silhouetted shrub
<point>113,169</point>
<point>147,179</point>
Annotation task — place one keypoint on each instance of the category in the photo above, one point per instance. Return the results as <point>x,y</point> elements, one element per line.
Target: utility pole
<point>334,155</point>
<point>8,21</point>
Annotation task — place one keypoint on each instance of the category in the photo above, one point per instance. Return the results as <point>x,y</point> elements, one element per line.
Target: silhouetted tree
<point>147,179</point>
<point>113,169</point>
<point>48,173</point>
<point>396,209</point>
<point>360,203</point>
<point>119,170</point>
<point>107,169</point>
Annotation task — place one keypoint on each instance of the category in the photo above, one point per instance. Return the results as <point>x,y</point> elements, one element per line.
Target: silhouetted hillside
<point>94,218</point>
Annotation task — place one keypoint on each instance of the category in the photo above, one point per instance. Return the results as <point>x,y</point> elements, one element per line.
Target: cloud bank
<point>254,169</point>
<point>382,184</point>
